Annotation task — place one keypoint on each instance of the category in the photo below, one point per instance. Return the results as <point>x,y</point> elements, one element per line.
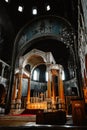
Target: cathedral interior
<point>43,59</point>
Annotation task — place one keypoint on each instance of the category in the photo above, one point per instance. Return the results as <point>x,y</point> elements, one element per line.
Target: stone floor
<point>10,122</point>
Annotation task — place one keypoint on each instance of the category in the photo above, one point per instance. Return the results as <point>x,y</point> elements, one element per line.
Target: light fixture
<point>20,8</point>
<point>34,11</point>
<point>47,7</point>
<point>7,1</point>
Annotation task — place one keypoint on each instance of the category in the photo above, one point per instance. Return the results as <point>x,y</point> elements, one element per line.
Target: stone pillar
<point>61,92</point>
<point>28,93</point>
<point>53,87</point>
<point>14,93</point>
<point>20,76</point>
<point>18,102</point>
<point>49,84</point>
<point>3,67</point>
<point>2,72</point>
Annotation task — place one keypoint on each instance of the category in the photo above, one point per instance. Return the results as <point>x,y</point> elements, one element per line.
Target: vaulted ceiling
<point>11,20</point>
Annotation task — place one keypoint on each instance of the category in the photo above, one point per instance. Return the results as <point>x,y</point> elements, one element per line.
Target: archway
<point>44,29</point>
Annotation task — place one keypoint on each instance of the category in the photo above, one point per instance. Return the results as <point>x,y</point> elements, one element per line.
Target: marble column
<point>61,91</point>
<point>2,72</point>
<point>14,93</point>
<point>19,94</point>
<point>53,87</point>
<point>49,84</point>
<point>3,67</point>
<point>28,93</point>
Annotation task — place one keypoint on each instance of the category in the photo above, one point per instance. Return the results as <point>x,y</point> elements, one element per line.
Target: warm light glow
<point>42,105</point>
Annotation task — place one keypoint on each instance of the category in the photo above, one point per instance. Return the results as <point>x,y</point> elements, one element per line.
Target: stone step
<point>31,118</point>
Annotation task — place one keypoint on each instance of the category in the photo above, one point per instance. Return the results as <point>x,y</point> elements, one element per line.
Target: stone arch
<point>50,27</point>
<point>53,27</point>
<point>46,27</point>
<point>36,56</point>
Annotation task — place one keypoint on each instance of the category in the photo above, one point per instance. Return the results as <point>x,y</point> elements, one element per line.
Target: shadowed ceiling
<point>11,21</point>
